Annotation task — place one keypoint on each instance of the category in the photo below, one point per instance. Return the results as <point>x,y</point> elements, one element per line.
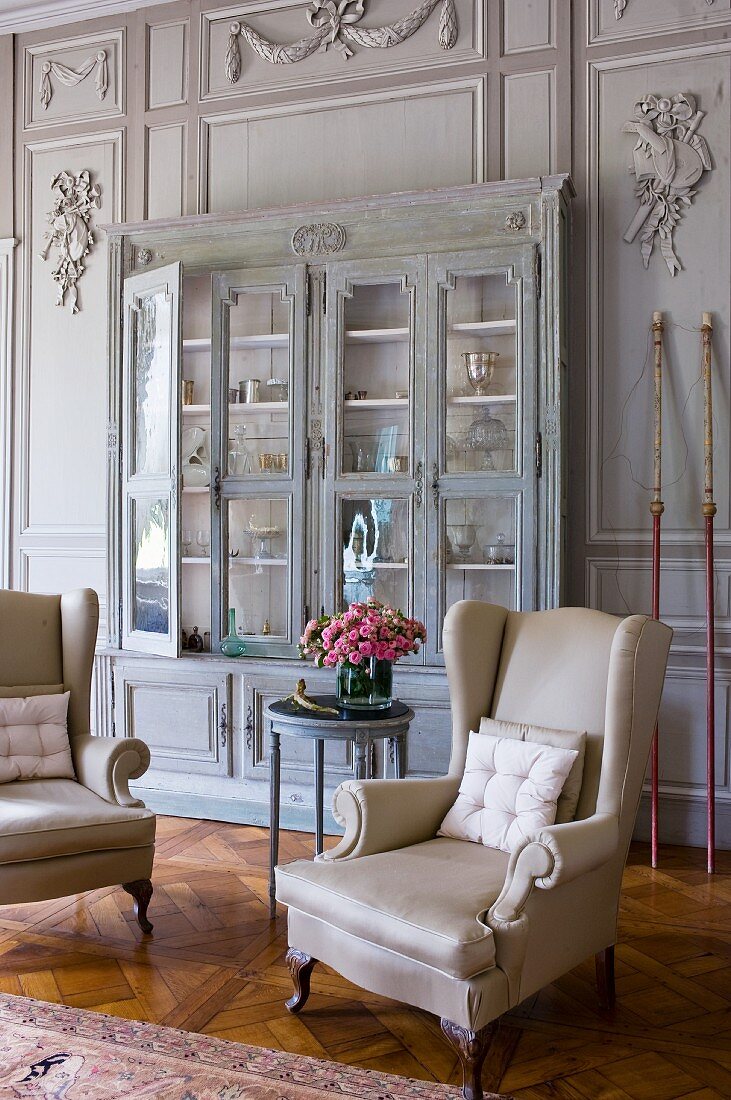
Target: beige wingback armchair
<point>64,836</point>
<point>465,931</point>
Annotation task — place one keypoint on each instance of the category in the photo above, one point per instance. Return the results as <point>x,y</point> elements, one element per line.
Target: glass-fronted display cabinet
<point>314,406</point>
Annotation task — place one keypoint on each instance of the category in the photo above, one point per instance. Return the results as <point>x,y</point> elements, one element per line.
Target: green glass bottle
<point>232,645</point>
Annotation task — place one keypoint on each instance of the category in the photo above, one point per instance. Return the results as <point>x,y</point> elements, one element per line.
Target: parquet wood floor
<point>216,965</point>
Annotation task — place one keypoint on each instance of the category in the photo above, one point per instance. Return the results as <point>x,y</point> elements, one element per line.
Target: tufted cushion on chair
<point>510,789</point>
<point>34,740</point>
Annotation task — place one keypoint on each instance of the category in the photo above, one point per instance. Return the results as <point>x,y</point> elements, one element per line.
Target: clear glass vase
<point>368,685</point>
<point>232,645</point>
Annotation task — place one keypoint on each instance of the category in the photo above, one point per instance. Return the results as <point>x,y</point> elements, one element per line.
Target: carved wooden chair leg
<point>300,967</point>
<point>605,978</point>
<point>141,891</point>
<point>471,1048</point>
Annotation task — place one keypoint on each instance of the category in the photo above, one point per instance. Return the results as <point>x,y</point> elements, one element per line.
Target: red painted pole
<point>709,511</point>
<point>656,508</point>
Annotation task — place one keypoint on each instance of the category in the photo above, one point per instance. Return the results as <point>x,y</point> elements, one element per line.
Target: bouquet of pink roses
<point>365,630</point>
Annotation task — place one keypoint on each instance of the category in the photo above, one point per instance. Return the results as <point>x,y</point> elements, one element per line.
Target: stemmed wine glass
<point>203,538</point>
<point>187,542</point>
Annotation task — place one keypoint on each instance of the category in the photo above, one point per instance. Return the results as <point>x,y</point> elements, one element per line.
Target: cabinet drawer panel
<point>184,722</point>
<point>297,753</point>
<point>430,740</point>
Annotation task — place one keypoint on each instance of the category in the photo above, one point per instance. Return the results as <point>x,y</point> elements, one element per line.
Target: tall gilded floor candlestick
<point>709,511</point>
<point>656,510</point>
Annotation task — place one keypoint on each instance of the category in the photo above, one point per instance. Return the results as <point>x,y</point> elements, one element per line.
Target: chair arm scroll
<point>555,855</point>
<point>380,815</point>
<point>106,766</point>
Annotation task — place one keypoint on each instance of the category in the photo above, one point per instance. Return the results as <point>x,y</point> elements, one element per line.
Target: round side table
<point>358,726</point>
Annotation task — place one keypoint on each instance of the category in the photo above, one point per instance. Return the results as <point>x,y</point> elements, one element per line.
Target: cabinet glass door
<point>482,452</point>
<point>150,460</point>
<point>374,429</point>
<point>259,331</point>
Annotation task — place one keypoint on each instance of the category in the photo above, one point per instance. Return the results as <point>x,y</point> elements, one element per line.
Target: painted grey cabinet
<point>309,406</point>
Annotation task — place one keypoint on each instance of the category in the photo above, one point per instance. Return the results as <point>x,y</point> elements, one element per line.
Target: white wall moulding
<point>74,79</point>
<point>266,49</point>
<point>617,20</point>
<point>71,235</point>
<point>19,16</point>
<point>61,569</point>
<point>71,77</point>
<point>528,27</point>
<point>167,64</point>
<point>669,157</point>
<point>60,392</point>
<point>622,295</point>
<point>165,170</point>
<point>529,124</point>
<point>682,723</point>
<point>397,139</point>
<point>6,396</point>
<point>620,584</point>
<point>336,24</point>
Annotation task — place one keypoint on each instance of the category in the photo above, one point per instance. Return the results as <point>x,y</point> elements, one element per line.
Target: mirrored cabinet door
<point>482,449</point>
<point>260,470</point>
<point>374,428</point>
<point>150,461</point>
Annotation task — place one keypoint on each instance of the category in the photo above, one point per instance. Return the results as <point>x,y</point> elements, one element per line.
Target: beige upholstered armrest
<point>381,815</point>
<point>106,766</point>
<point>555,855</point>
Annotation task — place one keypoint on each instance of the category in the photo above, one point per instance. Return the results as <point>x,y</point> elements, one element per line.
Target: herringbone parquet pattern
<point>216,965</point>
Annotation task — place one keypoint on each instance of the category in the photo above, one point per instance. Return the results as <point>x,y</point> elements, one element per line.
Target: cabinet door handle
<point>419,485</point>
<point>223,726</point>
<point>217,487</point>
<point>435,484</point>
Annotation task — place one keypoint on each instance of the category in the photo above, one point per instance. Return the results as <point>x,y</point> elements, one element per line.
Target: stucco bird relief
<point>669,158</point>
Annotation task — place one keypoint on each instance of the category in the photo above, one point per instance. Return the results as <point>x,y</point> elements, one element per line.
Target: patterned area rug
<point>59,1053</point>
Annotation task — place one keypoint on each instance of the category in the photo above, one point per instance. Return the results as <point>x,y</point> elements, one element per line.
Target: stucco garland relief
<point>74,198</point>
<point>620,6</point>
<point>668,159</point>
<point>71,77</point>
<point>334,23</point>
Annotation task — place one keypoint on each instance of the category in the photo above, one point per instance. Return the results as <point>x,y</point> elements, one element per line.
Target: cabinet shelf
<point>241,343</point>
<point>377,335</point>
<point>483,328</point>
<point>464,566</point>
<point>490,399</point>
<point>378,403</point>
<point>197,489</point>
<point>196,561</point>
<point>250,408</point>
<point>266,562</point>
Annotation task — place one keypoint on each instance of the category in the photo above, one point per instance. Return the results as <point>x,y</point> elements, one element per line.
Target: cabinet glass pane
<point>479,538</point>
<point>376,551</point>
<point>259,382</point>
<point>376,373</point>
<point>151,565</point>
<point>152,349</point>
<point>482,374</point>
<point>258,567</point>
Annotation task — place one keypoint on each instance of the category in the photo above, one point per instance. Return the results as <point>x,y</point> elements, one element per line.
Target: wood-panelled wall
<point>531,86</point>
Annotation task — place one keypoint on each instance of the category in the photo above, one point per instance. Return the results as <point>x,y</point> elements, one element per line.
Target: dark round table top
<point>286,709</point>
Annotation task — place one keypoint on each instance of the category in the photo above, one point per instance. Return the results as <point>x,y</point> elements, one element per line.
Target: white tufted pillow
<point>509,790</point>
<point>34,740</point>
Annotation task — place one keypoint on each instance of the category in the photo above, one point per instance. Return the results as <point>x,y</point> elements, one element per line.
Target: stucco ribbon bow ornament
<point>669,157</point>
<point>322,13</point>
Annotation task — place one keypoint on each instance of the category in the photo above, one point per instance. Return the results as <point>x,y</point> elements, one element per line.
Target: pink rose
<point>366,649</point>
<point>355,658</point>
<point>354,635</point>
<point>390,654</point>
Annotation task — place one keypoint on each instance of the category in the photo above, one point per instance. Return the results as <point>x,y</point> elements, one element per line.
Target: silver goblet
<point>480,367</point>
